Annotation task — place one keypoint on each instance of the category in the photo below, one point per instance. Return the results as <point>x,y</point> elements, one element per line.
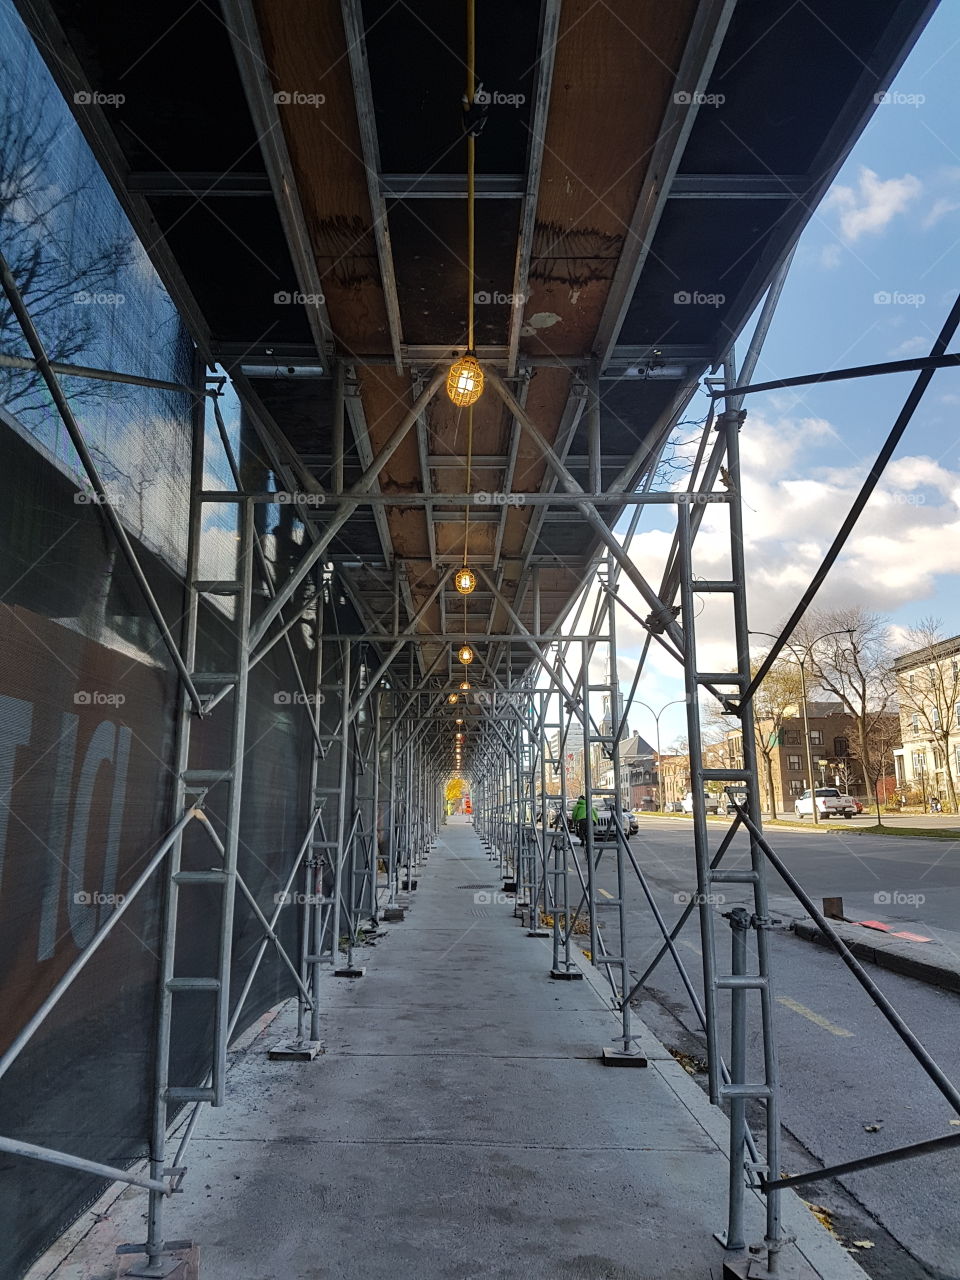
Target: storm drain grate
<point>476,886</point>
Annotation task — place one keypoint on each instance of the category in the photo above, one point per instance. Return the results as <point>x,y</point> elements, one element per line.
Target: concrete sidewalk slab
<point>459,1124</point>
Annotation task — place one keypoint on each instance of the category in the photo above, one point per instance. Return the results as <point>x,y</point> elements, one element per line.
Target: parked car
<point>859,804</point>
<point>830,803</point>
<point>634,822</point>
<point>605,828</point>
<point>741,799</point>
<point>712,803</point>
<point>674,806</point>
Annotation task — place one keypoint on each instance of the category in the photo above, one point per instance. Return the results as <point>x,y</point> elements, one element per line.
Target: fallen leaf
<point>863,1244</point>
<point>872,1128</point>
<point>823,1217</point>
<point>957,1122</point>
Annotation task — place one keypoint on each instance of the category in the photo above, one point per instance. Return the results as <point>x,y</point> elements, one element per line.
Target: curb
<point>896,954</point>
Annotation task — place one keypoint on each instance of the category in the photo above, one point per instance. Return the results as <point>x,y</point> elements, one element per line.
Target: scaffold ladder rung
<point>218,587</point>
<point>206,777</point>
<point>745,1091</point>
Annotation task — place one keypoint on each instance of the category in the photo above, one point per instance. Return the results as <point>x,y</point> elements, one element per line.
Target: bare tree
<point>884,736</point>
<point>930,693</point>
<point>776,701</point>
<point>850,657</point>
<point>51,265</point>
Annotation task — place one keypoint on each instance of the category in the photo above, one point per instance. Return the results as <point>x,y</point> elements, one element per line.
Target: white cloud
<point>912,346</point>
<point>908,534</point>
<point>872,205</point>
<point>938,211</point>
<point>831,256</point>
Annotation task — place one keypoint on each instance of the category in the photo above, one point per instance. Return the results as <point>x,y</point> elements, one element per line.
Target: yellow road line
<point>814,1017</point>
<point>605,894</point>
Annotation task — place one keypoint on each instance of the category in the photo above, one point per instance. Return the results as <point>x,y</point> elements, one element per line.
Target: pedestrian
<point>579,817</point>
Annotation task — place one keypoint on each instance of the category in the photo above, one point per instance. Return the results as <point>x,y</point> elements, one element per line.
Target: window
<point>955,670</point>
<point>796,788</point>
<point>794,764</point>
<point>793,737</point>
<point>956,753</point>
<point>919,763</point>
<point>938,760</point>
<point>957,716</point>
<point>816,737</point>
<point>910,682</point>
<point>841,746</point>
<point>936,717</point>
<point>915,722</point>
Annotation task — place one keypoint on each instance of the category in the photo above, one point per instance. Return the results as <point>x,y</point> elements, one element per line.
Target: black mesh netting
<point>87,695</point>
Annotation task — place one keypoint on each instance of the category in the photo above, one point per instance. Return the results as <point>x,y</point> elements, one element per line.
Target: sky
<point>875,274</point>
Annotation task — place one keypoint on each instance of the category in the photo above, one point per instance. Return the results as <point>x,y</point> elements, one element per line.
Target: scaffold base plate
<point>750,1266</point>
<point>295,1051</point>
<point>539,933</point>
<point>617,1058</point>
<point>351,972</point>
<point>391,915</point>
<point>566,975</point>
<point>180,1264</point>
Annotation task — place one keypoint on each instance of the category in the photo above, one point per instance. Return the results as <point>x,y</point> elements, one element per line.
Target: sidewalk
<point>459,1125</point>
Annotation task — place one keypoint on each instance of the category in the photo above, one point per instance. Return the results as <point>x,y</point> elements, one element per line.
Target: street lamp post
<point>656,720</point>
<point>845,631</point>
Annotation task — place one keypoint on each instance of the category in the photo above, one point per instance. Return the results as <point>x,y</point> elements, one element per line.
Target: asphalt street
<point>850,1087</point>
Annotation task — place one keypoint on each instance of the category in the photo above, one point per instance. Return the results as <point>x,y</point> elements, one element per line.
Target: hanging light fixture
<point>465,579</point>
<point>458,721</point>
<point>465,655</point>
<point>465,684</point>
<point>454,697</point>
<point>465,379</point>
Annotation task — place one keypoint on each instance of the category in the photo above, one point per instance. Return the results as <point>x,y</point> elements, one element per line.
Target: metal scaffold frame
<point>389,754</point>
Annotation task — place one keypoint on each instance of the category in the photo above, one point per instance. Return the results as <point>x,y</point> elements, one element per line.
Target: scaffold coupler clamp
<point>660,619</point>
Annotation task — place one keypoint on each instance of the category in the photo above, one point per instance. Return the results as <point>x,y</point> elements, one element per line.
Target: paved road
<point>904,880</point>
<point>843,1067</point>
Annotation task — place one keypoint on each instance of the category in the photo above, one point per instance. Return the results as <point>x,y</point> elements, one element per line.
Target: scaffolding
<point>379,764</point>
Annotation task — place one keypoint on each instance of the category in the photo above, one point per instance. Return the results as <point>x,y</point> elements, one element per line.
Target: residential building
<point>638,772</point>
<point>928,689</point>
<point>674,772</point>
<point>783,761</point>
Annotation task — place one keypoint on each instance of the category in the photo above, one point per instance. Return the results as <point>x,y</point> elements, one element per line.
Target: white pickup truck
<point>831,802</point>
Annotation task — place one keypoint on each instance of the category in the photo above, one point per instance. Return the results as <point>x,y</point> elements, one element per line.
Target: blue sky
<point>874,277</point>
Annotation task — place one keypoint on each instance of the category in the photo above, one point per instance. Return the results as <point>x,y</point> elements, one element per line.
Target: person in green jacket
<point>579,817</point>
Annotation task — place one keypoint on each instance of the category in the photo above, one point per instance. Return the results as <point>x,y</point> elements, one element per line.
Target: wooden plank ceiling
<point>614,71</point>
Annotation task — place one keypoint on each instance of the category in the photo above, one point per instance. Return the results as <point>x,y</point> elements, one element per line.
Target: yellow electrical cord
<point>471,163</point>
<point>471,273</point>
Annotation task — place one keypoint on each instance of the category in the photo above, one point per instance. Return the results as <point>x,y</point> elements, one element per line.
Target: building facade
<point>783,764</point>
<point>675,774</point>
<point>928,690</point>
